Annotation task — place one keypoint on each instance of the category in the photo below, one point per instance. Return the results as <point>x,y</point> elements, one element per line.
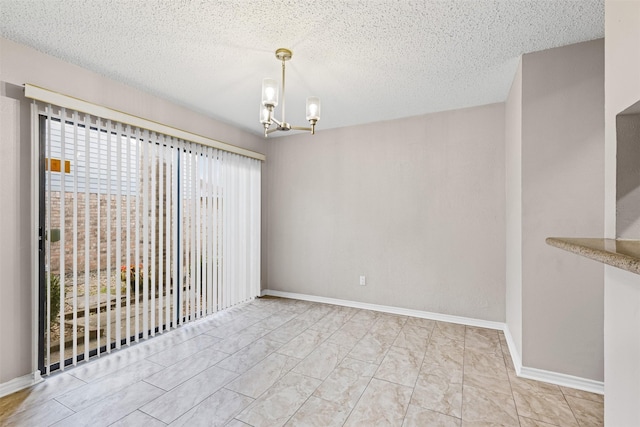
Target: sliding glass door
<point>141,233</point>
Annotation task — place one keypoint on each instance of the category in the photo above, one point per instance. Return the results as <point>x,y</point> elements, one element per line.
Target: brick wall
<point>97,207</point>
<point>99,220</point>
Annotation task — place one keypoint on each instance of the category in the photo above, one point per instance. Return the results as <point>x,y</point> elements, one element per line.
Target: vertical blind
<point>145,231</point>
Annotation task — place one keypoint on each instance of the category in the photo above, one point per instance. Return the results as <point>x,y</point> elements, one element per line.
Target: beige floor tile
<point>297,306</point>
<point>413,338</point>
<point>589,413</point>
<point>249,356</point>
<point>237,342</point>
<point>264,375</point>
<point>420,417</point>
<point>110,363</point>
<point>445,352</point>
<point>43,414</point>
<point>313,314</point>
<point>388,325</point>
<point>136,419</point>
<point>161,342</point>
<point>524,385</point>
<point>198,327</point>
<point>330,323</point>
<point>216,410</point>
<point>347,382</point>
<point>427,324</point>
<point>418,328</point>
<point>381,404</point>
<point>254,312</point>
<point>503,343</point>
<point>365,316</point>
<point>289,330</point>
<point>439,389</point>
<point>480,407</point>
<point>183,350</point>
<point>276,320</point>
<point>280,402</point>
<point>82,397</point>
<point>236,423</point>
<point>508,361</point>
<point>400,366</point>
<point>484,366</point>
<point>322,361</point>
<point>176,374</point>
<point>234,327</point>
<point>452,373</point>
<point>582,394</point>
<point>492,334</point>
<point>114,407</point>
<point>529,422</point>
<point>371,348</point>
<point>334,319</point>
<point>175,403</point>
<point>491,381</point>
<point>483,340</point>
<point>550,408</point>
<point>318,412</point>
<point>38,394</point>
<point>478,362</point>
<point>449,330</point>
<point>302,345</point>
<point>353,367</point>
<point>350,333</point>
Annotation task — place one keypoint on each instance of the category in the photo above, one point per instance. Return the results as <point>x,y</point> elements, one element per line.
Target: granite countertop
<point>624,254</point>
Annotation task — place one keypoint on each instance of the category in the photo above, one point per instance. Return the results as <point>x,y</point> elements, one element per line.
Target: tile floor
<point>274,362</point>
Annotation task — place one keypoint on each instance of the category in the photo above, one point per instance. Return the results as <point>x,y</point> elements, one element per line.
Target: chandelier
<point>270,102</point>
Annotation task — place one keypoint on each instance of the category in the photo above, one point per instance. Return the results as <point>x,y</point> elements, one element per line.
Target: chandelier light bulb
<point>265,115</point>
<point>269,92</point>
<point>313,108</point>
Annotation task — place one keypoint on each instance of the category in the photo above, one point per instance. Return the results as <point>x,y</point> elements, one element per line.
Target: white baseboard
<point>513,350</point>
<point>522,371</point>
<point>562,380</point>
<point>19,383</point>
<point>551,377</point>
<point>392,310</point>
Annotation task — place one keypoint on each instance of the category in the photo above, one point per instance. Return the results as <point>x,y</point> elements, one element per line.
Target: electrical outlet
<point>363,281</point>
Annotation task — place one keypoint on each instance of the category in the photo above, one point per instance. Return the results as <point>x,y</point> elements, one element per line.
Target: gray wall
<point>19,65</point>
<point>513,170</point>
<point>15,288</point>
<point>562,195</point>
<point>416,205</point>
<point>628,176</point>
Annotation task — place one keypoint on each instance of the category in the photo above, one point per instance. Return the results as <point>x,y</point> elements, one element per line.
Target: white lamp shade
<point>265,117</point>
<point>269,92</point>
<point>313,108</point>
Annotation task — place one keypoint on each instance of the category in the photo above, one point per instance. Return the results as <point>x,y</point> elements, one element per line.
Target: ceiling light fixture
<point>270,102</point>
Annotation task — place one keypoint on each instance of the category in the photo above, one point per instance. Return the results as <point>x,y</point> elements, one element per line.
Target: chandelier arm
<point>274,120</point>
<point>271,131</point>
<point>300,128</point>
<point>283,97</point>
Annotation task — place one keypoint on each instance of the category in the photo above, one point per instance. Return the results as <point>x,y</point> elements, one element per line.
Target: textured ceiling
<point>367,60</point>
